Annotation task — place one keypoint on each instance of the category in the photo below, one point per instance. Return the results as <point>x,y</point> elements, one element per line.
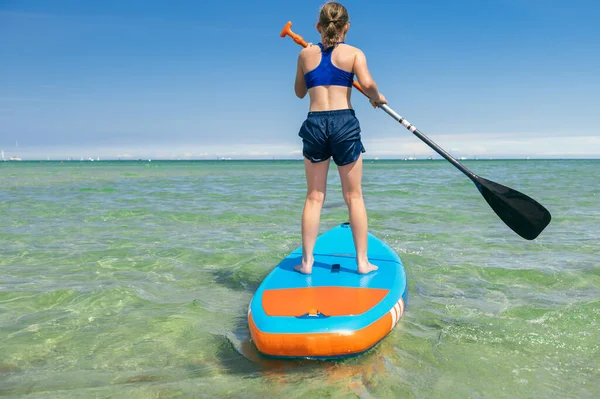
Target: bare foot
<point>366,268</point>
<point>304,268</point>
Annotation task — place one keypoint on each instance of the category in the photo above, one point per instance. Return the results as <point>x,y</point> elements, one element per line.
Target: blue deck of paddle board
<point>334,247</point>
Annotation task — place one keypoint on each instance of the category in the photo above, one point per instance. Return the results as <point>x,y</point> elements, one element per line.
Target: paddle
<point>522,214</point>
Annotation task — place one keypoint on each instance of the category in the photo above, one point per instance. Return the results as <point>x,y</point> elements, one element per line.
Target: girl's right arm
<point>300,82</point>
<point>366,81</point>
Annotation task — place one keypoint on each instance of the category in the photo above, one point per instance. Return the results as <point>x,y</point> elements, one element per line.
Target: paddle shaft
<point>298,39</point>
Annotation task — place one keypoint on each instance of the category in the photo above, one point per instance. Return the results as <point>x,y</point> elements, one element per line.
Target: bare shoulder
<point>350,49</point>
<point>351,52</point>
<point>309,51</point>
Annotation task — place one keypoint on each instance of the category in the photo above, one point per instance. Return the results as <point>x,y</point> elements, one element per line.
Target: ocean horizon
<point>266,159</point>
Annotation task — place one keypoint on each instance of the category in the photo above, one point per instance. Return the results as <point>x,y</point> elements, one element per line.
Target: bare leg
<point>316,181</point>
<point>351,177</point>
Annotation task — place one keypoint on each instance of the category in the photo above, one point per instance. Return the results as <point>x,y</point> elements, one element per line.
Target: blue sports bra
<point>328,74</point>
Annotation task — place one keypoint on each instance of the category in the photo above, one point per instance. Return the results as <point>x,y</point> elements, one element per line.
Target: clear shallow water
<point>132,279</point>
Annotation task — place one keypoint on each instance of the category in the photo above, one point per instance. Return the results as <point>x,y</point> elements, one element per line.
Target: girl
<point>326,73</point>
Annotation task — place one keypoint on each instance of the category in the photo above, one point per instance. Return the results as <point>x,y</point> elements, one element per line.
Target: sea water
<point>133,279</point>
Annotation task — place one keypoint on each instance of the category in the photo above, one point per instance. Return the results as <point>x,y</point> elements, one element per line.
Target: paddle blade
<point>524,215</point>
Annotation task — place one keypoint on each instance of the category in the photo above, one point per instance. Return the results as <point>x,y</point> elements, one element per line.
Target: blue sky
<point>199,79</point>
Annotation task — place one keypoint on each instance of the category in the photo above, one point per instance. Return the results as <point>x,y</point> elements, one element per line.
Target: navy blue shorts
<point>334,134</point>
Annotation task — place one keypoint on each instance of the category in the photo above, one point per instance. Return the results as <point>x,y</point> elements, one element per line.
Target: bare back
<point>326,98</point>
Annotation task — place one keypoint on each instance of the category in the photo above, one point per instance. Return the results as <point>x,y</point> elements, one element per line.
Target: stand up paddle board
<point>333,312</point>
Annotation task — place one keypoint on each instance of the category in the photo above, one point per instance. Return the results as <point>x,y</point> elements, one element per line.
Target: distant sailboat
<point>13,158</point>
<point>3,158</point>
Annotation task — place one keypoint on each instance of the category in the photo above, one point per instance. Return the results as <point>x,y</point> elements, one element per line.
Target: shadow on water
<point>334,205</point>
<point>240,278</point>
<point>232,280</point>
<point>238,355</point>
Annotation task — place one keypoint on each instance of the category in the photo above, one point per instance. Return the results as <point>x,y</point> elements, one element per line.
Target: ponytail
<point>332,18</point>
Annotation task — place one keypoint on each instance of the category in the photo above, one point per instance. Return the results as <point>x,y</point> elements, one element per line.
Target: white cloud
<point>488,146</point>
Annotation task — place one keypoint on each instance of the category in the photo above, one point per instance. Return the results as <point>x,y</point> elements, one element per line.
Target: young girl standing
<point>326,73</point>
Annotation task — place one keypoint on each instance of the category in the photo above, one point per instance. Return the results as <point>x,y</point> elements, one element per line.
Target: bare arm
<point>365,79</point>
<point>300,84</point>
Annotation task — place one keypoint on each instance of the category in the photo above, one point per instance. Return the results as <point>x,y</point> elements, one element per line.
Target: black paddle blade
<point>524,215</point>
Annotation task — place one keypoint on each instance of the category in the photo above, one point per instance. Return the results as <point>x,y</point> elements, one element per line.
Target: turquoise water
<point>132,279</point>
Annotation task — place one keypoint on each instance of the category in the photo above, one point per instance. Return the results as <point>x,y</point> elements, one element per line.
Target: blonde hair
<point>333,18</point>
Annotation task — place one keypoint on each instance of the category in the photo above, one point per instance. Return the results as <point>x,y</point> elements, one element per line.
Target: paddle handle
<point>287,31</point>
